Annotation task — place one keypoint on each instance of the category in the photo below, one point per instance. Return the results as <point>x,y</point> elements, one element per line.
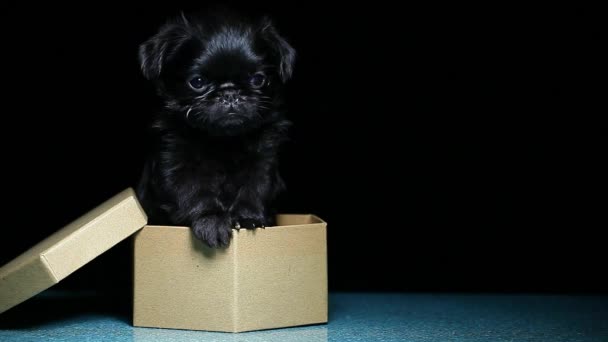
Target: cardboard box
<point>267,278</point>
<point>70,248</point>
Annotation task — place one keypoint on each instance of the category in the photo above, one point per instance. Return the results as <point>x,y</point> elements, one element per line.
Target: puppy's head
<point>218,73</point>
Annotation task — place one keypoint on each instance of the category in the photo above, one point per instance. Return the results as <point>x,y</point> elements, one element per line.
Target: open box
<point>267,278</point>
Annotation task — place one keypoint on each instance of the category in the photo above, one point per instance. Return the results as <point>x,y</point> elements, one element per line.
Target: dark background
<point>449,148</point>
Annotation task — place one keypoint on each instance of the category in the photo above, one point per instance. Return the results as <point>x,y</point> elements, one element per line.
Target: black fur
<point>214,160</point>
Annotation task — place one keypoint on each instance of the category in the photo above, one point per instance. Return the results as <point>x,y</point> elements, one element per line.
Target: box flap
<point>71,247</point>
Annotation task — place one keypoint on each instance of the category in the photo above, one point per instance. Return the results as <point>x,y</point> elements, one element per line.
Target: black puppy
<point>214,163</point>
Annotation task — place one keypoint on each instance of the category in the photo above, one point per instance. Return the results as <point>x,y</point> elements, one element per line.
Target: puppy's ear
<point>154,53</point>
<point>285,54</point>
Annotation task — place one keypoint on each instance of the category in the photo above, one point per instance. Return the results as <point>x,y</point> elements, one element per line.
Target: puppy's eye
<point>257,80</point>
<point>197,82</point>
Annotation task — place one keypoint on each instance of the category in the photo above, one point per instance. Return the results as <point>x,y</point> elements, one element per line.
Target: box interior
<point>295,219</point>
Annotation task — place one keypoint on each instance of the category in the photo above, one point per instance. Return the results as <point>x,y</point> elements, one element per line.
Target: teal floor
<point>353,317</point>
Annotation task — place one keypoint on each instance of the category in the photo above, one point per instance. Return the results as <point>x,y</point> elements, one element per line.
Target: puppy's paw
<point>249,223</point>
<point>213,230</point>
<point>248,220</point>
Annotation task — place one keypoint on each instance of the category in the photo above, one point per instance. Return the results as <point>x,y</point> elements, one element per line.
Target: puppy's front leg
<point>249,209</point>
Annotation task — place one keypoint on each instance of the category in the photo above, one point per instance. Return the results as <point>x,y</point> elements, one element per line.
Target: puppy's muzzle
<point>230,98</point>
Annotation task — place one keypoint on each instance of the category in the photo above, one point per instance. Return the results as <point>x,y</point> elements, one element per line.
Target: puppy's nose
<point>230,98</point>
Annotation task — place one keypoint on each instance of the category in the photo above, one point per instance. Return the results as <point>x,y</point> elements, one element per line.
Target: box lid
<point>70,248</point>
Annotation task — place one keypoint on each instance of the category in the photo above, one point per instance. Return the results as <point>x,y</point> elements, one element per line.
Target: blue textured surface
<point>353,317</point>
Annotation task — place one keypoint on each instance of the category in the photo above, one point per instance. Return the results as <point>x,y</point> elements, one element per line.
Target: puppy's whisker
<point>205,94</point>
<point>202,96</point>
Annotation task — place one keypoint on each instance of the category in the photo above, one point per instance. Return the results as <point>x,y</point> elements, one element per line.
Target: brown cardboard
<point>70,248</point>
<point>267,278</point>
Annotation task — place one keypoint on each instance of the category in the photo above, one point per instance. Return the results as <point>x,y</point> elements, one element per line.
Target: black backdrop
<point>449,148</point>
